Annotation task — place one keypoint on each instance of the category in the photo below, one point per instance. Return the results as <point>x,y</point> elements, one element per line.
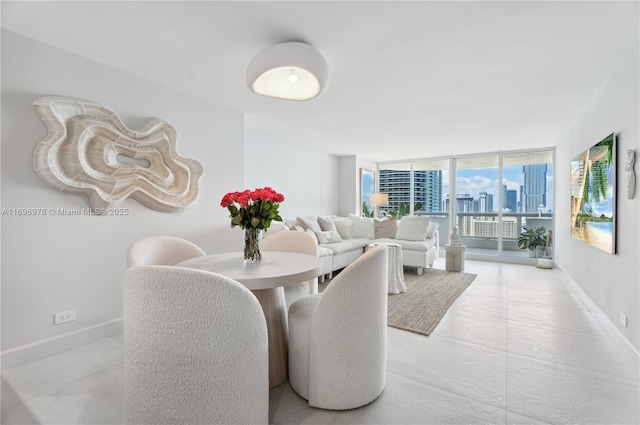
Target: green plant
<point>404,210</point>
<point>367,210</point>
<point>532,238</point>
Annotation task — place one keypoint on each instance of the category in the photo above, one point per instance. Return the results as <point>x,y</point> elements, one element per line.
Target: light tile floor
<point>519,346</point>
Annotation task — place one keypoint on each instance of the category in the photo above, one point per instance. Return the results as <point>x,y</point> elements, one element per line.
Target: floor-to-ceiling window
<point>528,181</point>
<point>414,187</point>
<point>477,203</point>
<point>394,179</point>
<point>491,198</point>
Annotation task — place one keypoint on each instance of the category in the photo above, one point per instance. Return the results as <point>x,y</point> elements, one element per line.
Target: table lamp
<point>377,200</point>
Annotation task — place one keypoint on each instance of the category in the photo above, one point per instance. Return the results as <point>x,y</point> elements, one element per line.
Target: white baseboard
<point>630,352</point>
<point>50,346</point>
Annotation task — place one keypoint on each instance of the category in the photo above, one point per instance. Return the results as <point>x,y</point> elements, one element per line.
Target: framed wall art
<point>367,187</point>
<point>593,195</point>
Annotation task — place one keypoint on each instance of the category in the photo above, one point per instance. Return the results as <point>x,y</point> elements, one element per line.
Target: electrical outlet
<point>64,317</point>
<point>623,319</point>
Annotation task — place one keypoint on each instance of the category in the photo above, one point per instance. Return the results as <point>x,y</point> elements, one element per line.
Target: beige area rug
<point>426,301</point>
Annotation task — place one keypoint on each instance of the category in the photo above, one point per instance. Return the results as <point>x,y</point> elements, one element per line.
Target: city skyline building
<point>535,187</point>
<point>427,188</point>
<point>512,200</point>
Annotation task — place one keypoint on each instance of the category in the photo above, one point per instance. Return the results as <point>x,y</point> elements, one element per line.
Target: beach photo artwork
<point>593,195</point>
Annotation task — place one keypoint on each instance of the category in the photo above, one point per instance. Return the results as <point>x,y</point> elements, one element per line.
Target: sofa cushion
<point>422,246</point>
<point>411,231</point>
<point>385,228</point>
<point>331,236</point>
<point>313,235</point>
<point>362,227</point>
<point>415,219</point>
<point>343,226</point>
<point>310,223</point>
<point>346,245</point>
<point>324,252</point>
<point>326,224</point>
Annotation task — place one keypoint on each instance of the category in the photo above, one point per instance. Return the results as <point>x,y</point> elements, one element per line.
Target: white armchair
<point>338,339</point>
<point>162,251</point>
<point>195,349</point>
<point>294,242</point>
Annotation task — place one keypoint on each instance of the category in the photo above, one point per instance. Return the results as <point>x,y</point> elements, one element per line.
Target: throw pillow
<point>326,224</point>
<point>313,235</point>
<point>362,227</point>
<point>385,228</point>
<point>276,226</point>
<point>331,236</point>
<point>416,218</point>
<point>431,229</point>
<point>310,223</point>
<point>343,226</point>
<point>411,231</point>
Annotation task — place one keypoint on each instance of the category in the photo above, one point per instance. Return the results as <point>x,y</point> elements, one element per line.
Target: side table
<point>396,272</point>
<point>455,257</point>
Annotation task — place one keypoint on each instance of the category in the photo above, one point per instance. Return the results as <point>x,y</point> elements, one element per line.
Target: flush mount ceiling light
<point>291,71</point>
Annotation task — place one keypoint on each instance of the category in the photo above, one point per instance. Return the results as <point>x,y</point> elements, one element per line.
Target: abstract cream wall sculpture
<point>89,150</point>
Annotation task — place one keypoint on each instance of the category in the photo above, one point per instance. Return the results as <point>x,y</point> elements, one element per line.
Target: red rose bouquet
<point>253,209</point>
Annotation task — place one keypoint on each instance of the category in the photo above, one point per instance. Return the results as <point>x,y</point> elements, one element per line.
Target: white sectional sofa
<point>341,240</point>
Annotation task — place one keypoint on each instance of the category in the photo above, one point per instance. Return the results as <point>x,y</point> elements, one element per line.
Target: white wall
<point>52,264</point>
<point>611,281</point>
<point>307,178</point>
<point>348,169</point>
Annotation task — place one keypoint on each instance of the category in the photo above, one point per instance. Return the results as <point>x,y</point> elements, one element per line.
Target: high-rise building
<point>427,188</point>
<point>487,227</point>
<point>464,203</point>
<point>509,199</point>
<point>482,202</point>
<point>512,200</point>
<point>535,187</point>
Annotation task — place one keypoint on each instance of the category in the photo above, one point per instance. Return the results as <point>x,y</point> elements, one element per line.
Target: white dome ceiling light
<point>291,71</point>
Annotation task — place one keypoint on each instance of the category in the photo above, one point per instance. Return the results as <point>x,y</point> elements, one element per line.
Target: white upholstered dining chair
<point>338,339</point>
<point>162,251</point>
<point>293,241</point>
<point>196,349</point>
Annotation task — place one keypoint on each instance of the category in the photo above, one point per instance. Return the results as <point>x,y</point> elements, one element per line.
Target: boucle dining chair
<point>162,251</point>
<point>196,349</point>
<point>294,241</point>
<point>338,339</point>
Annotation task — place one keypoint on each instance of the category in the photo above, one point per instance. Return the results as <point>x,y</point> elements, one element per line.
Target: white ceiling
<point>408,79</point>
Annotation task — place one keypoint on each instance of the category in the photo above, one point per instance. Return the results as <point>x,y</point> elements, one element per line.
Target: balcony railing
<point>479,231</point>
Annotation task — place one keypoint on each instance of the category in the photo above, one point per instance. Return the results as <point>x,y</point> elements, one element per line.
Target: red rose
<point>226,200</point>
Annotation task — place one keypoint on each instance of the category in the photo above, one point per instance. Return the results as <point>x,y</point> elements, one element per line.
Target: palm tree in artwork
<point>597,173</point>
<point>591,173</point>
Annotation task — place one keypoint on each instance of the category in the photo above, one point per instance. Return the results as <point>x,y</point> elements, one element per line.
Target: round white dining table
<point>266,280</point>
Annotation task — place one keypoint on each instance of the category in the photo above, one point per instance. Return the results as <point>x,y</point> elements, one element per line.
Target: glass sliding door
<point>430,183</point>
<point>528,183</point>
<point>491,198</point>
<point>478,203</point>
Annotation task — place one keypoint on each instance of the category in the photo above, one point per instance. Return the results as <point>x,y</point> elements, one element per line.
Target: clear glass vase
<point>252,241</point>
